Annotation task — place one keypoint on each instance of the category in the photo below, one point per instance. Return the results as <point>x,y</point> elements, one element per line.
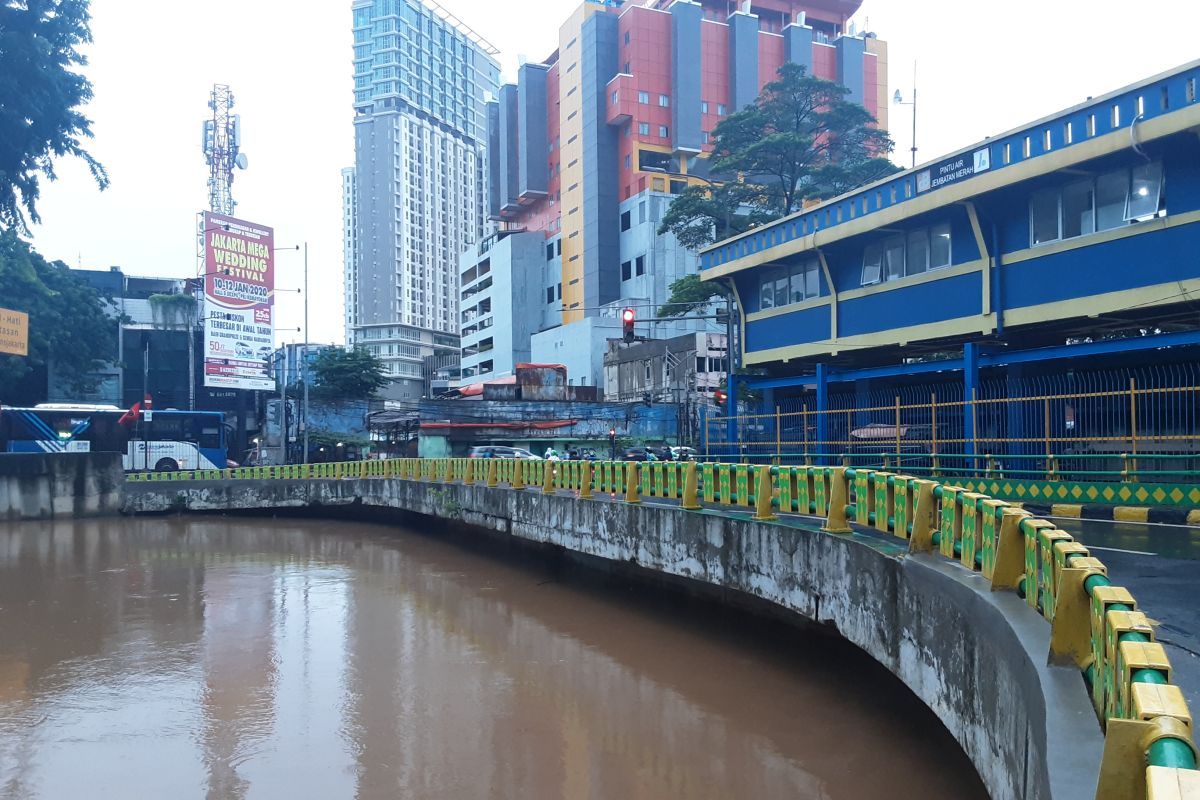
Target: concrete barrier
<point>46,485</point>
<point>977,658</point>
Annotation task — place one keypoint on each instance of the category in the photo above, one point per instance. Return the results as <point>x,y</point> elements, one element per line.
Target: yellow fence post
<point>763,510</point>
<point>518,481</point>
<point>632,484</point>
<point>1133,432</point>
<point>585,481</point>
<point>839,496</point>
<point>493,476</point>
<point>548,469</point>
<point>690,486</point>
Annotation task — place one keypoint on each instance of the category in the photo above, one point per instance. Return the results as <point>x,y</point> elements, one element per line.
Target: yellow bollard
<point>469,472</point>
<point>519,474</point>
<point>548,470</point>
<point>763,511</point>
<point>632,486</point>
<point>839,495</point>
<point>690,487</point>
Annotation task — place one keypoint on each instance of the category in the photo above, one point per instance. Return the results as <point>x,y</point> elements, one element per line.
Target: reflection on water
<point>277,659</point>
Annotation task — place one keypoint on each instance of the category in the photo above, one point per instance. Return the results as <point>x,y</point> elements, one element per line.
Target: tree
<point>347,374</point>
<point>39,96</point>
<point>70,324</point>
<point>689,294</point>
<point>800,141</point>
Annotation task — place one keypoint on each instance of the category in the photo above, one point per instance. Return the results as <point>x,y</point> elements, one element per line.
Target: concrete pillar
<point>798,46</point>
<point>743,60</point>
<point>685,75</point>
<point>850,50</point>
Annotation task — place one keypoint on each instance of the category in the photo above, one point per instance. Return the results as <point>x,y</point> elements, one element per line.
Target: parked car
<point>640,453</point>
<point>498,451</point>
<point>661,452</point>
<point>684,453</point>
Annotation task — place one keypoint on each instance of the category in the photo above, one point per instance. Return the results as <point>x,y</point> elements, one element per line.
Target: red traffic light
<point>628,316</point>
<point>720,397</point>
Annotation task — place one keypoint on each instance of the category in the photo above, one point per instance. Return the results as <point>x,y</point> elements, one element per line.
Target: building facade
<point>350,249</point>
<point>421,83</point>
<point>588,148</point>
<point>1029,296</point>
<point>408,354</point>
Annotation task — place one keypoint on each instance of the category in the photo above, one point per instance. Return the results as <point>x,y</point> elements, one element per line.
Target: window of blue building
<point>913,253</point>
<point>1109,201</point>
<point>783,285</point>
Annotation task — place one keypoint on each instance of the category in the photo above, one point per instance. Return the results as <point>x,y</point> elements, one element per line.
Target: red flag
<point>132,415</point>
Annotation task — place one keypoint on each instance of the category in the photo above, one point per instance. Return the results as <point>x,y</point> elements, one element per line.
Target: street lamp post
<point>898,99</point>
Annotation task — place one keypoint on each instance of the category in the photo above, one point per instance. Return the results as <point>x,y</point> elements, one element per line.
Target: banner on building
<point>239,283</point>
<point>14,332</point>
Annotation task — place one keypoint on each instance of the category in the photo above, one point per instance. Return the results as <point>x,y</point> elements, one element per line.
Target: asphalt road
<point>1160,565</point>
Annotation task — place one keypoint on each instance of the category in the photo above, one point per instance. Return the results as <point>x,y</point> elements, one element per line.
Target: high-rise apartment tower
<point>422,80</point>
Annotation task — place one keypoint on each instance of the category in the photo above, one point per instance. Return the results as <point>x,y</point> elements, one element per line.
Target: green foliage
<point>39,94</point>
<point>173,310</point>
<point>690,294</point>
<point>347,374</point>
<point>70,323</point>
<point>800,141</point>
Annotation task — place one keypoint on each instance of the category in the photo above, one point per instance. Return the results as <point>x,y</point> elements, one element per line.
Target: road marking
<point>1118,550</point>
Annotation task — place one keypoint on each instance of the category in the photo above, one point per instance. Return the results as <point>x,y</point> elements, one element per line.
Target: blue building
<point>1057,261</point>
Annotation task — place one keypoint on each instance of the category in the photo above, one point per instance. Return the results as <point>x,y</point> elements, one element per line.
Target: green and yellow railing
<point>1096,625</point>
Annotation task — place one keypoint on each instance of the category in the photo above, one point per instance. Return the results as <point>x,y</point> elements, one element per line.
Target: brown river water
<point>248,658</point>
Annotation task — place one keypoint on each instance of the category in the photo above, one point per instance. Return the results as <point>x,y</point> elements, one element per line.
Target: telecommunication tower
<point>222,149</point>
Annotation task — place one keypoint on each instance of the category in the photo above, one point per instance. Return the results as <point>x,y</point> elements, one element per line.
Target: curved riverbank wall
<point>977,658</point>
<point>48,485</point>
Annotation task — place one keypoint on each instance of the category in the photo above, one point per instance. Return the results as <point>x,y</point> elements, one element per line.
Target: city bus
<point>165,441</point>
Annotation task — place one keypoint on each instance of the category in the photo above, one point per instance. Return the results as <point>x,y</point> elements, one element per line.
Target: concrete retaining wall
<point>45,485</point>
<point>976,658</point>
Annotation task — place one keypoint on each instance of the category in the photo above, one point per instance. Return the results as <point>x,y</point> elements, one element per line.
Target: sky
<point>982,68</point>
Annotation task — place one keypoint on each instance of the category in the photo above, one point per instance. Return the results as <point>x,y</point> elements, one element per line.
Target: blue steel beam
<point>994,358</point>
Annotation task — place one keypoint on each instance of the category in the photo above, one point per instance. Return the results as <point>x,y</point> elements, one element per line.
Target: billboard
<point>239,283</point>
<point>14,332</point>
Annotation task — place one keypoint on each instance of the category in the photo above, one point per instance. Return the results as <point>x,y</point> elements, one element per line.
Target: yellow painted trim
<point>834,299</point>
<point>816,302</point>
<point>984,255</point>
<point>1102,237</point>
<point>901,336</point>
<point>1131,514</point>
<point>1096,304</point>
<point>1115,141</point>
<point>1193,517</point>
<point>1066,510</point>
<point>915,280</point>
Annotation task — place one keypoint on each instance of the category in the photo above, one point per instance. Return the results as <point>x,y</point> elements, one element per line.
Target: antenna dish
<point>241,162</point>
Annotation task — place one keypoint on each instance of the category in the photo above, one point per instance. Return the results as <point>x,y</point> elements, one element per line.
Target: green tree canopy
<point>340,374</point>
<point>801,140</point>
<point>690,294</point>
<point>40,92</point>
<point>70,324</point>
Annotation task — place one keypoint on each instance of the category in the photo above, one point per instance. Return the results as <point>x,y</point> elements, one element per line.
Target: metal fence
<point>1118,425</point>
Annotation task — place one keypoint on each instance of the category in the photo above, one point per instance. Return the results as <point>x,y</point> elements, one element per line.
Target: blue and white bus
<point>160,441</point>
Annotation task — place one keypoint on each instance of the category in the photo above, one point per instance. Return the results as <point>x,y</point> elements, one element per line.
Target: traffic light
<point>627,318</point>
<point>720,397</point>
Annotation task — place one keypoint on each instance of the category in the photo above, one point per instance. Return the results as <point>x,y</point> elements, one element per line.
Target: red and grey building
<point>587,148</point>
